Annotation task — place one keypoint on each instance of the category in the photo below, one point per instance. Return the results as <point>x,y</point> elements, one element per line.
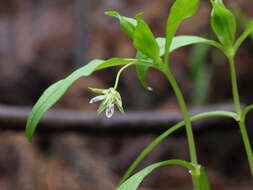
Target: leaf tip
<point>139,15</point>
<point>112,13</point>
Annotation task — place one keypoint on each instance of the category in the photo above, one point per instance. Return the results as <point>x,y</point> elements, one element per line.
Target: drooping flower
<point>109,98</point>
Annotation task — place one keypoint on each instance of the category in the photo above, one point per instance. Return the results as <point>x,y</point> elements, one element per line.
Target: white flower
<point>110,97</point>
<point>97,98</point>
<point>109,110</point>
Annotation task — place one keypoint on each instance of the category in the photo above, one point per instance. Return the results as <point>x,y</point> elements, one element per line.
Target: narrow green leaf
<point>223,23</point>
<point>144,40</point>
<point>142,72</point>
<point>171,130</point>
<point>177,42</point>
<point>140,33</point>
<point>245,34</point>
<point>179,11</point>
<point>53,93</point>
<point>127,24</point>
<point>133,182</point>
<point>57,90</point>
<point>199,178</point>
<point>119,61</point>
<point>97,90</point>
<point>181,41</point>
<point>200,74</point>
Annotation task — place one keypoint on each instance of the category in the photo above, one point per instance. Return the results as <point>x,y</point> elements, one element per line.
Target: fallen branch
<point>134,123</point>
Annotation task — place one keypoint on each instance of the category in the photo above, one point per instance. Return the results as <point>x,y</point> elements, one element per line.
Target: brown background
<point>42,41</point>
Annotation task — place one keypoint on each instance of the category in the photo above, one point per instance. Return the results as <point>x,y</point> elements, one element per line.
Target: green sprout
<point>154,52</point>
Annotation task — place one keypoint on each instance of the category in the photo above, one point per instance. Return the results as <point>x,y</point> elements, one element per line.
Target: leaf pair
<point>144,40</point>
<point>197,172</point>
<point>141,34</point>
<point>223,23</point>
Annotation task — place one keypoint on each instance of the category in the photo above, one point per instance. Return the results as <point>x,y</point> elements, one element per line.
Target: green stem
<point>234,86</point>
<point>182,105</point>
<point>190,138</point>
<point>119,73</point>
<point>168,132</point>
<point>247,145</point>
<point>240,117</point>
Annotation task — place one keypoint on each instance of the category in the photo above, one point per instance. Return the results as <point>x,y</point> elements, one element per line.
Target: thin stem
<point>190,137</point>
<point>168,132</point>
<point>185,112</point>
<point>247,145</point>
<point>119,73</point>
<point>240,116</point>
<point>234,86</point>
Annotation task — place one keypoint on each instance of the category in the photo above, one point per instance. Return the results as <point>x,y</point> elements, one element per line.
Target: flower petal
<point>101,107</point>
<point>97,98</point>
<point>109,110</point>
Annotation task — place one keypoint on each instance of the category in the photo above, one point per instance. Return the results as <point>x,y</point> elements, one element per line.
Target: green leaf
<point>57,90</point>
<point>142,72</point>
<point>119,61</point>
<point>170,131</point>
<point>200,74</point>
<point>128,25</point>
<point>181,41</point>
<point>177,42</point>
<point>223,23</point>
<point>97,90</point>
<point>245,34</point>
<point>179,11</point>
<point>133,182</point>
<point>148,49</point>
<point>199,178</point>
<point>144,40</point>
<point>140,32</point>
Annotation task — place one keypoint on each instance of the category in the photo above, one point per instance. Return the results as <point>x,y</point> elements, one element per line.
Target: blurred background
<point>42,41</point>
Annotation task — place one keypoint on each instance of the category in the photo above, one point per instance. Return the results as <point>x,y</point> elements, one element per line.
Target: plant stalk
<point>185,112</point>
<point>234,86</point>
<point>119,73</point>
<point>240,118</point>
<point>247,145</point>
